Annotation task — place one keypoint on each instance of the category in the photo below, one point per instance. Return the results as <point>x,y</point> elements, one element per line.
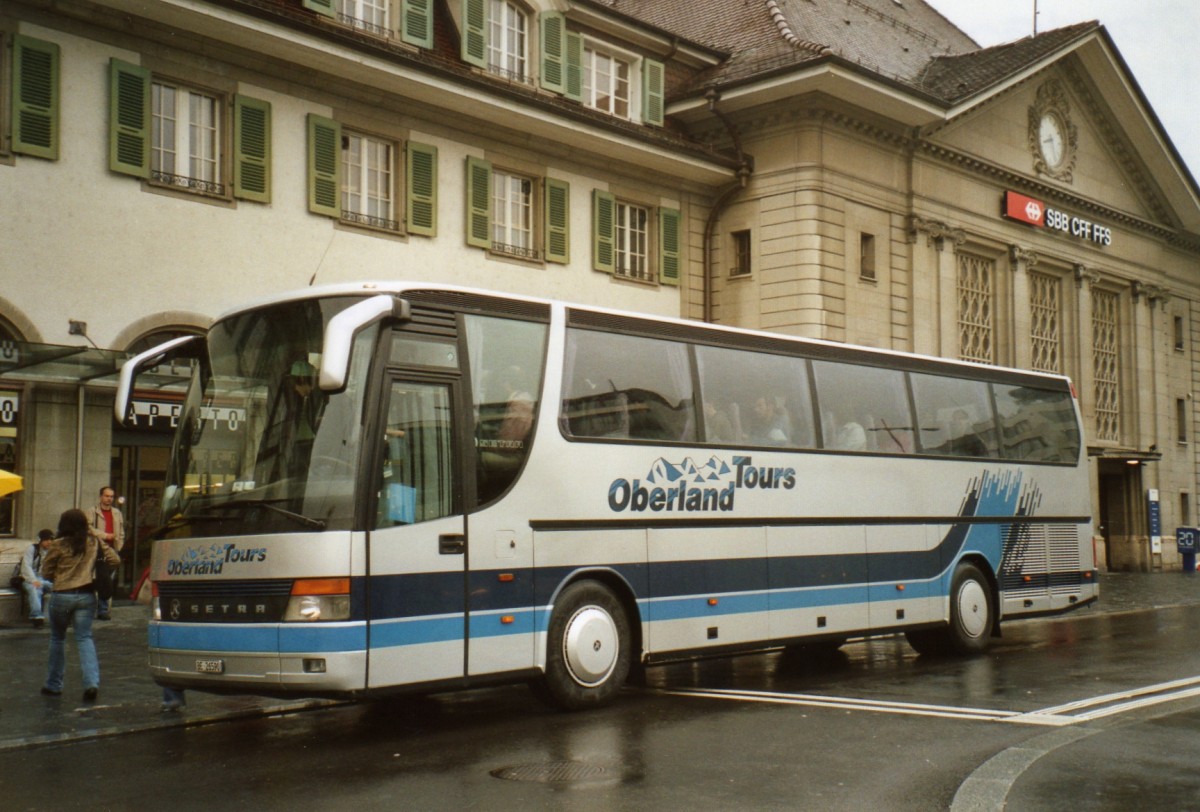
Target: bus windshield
<point>261,448</point>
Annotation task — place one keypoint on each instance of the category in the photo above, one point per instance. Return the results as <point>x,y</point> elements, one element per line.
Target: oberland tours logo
<point>212,559</point>
<point>691,487</point>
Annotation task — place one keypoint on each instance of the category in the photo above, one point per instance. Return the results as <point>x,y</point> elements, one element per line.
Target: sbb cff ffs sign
<point>1034,212</point>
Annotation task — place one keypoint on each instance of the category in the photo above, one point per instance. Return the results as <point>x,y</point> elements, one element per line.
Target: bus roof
<point>399,288</point>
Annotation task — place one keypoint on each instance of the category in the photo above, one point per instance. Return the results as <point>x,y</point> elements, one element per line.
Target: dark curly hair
<point>73,527</point>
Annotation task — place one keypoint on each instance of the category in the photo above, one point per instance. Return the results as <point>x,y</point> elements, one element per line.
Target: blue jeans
<point>67,608</point>
<point>35,597</point>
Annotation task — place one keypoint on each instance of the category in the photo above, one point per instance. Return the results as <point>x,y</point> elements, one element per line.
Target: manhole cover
<point>552,772</point>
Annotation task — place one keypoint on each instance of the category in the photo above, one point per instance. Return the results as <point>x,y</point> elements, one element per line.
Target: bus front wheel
<point>972,618</point>
<point>588,652</point>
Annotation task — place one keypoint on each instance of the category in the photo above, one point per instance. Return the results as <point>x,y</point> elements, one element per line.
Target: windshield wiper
<point>307,521</point>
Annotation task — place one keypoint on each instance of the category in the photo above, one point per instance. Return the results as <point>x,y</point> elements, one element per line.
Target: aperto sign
<point>1033,212</point>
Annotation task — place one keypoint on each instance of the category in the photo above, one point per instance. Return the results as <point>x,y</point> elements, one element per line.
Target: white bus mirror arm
<point>339,335</point>
<point>130,368</point>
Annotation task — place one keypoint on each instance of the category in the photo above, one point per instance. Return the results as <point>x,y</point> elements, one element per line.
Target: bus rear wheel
<point>588,652</point>
<point>972,618</point>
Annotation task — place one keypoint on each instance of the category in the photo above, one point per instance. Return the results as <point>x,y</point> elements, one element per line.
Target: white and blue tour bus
<point>391,486</point>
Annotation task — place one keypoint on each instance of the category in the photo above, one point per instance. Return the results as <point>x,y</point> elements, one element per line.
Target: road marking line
<point>1054,716</point>
<point>846,703</point>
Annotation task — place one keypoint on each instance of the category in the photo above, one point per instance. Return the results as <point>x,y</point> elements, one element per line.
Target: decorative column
<point>935,298</point>
<point>1085,380</point>
<point>1021,260</point>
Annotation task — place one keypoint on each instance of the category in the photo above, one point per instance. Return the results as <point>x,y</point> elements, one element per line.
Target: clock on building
<point>1052,140</point>
<point>1052,136</point>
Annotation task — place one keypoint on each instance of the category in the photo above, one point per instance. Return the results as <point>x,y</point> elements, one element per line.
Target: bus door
<point>417,549</point>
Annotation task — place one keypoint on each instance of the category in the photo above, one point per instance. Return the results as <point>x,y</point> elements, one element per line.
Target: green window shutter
<point>421,169</point>
<point>325,7</point>
<point>558,221</point>
<point>129,119</point>
<point>251,149</point>
<point>474,33</point>
<point>574,89</point>
<point>324,166</point>
<point>668,246</point>
<point>653,92</point>
<point>479,203</point>
<point>416,22</point>
<point>553,30</point>
<point>35,97</point>
<point>604,231</point>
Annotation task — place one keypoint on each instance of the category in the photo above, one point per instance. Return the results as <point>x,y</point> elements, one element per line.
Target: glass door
<point>417,549</point>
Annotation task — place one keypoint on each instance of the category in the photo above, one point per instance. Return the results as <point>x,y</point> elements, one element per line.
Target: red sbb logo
<point>1025,209</point>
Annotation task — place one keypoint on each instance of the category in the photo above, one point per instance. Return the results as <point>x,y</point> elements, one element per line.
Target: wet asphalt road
<point>1089,711</point>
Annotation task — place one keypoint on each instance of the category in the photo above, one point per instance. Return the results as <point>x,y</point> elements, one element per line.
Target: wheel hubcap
<point>590,645</point>
<point>973,608</point>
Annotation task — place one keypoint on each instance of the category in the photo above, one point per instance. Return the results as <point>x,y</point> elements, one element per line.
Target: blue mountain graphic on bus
<point>665,472</point>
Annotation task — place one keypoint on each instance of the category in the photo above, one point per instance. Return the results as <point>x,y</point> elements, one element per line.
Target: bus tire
<point>588,648</point>
<point>972,617</point>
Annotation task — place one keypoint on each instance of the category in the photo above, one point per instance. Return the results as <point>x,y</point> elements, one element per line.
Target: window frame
<point>392,224</point>
<point>632,100</point>
<point>492,49</point>
<point>221,186</point>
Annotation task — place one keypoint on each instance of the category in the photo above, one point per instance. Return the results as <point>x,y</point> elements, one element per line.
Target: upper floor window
<point>512,214</point>
<point>625,236</point>
<point>506,40</point>
<point>185,138</point>
<point>606,82</point>
<point>368,15</point>
<point>741,253</point>
<point>368,181</point>
<point>377,17</point>
<point>631,241</point>
<point>503,213</point>
<point>180,136</point>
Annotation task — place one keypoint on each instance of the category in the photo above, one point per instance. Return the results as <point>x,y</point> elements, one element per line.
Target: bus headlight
<point>317,607</point>
<point>315,599</point>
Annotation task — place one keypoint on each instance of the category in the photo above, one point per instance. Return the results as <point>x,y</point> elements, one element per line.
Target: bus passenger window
<point>954,416</point>
<point>506,376</point>
<point>623,386</point>
<point>1037,424</point>
<point>863,408</point>
<point>752,398</point>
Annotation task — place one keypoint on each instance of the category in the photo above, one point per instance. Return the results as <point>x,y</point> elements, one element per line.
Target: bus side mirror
<point>130,369</point>
<point>339,335</point>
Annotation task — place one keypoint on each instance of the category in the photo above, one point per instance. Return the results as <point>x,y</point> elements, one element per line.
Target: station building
<point>859,171</point>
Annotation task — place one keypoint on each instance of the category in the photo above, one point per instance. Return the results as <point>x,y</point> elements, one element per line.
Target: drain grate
<point>552,772</point>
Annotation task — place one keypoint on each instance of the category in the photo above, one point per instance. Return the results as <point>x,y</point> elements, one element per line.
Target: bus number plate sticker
<point>210,666</point>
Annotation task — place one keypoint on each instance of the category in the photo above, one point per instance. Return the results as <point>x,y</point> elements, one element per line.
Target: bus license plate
<point>210,666</point>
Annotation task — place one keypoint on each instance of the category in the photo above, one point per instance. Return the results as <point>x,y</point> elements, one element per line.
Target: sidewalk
<point>129,700</point>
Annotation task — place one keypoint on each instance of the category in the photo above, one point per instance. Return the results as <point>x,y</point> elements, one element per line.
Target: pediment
<point>1055,129</point>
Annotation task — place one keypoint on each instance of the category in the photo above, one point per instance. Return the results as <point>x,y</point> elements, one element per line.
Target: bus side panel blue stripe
<point>385,634</point>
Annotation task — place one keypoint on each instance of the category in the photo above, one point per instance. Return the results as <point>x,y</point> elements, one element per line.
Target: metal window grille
<point>366,15</point>
<point>1045,298</point>
<point>975,308</point>
<point>1106,372</point>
